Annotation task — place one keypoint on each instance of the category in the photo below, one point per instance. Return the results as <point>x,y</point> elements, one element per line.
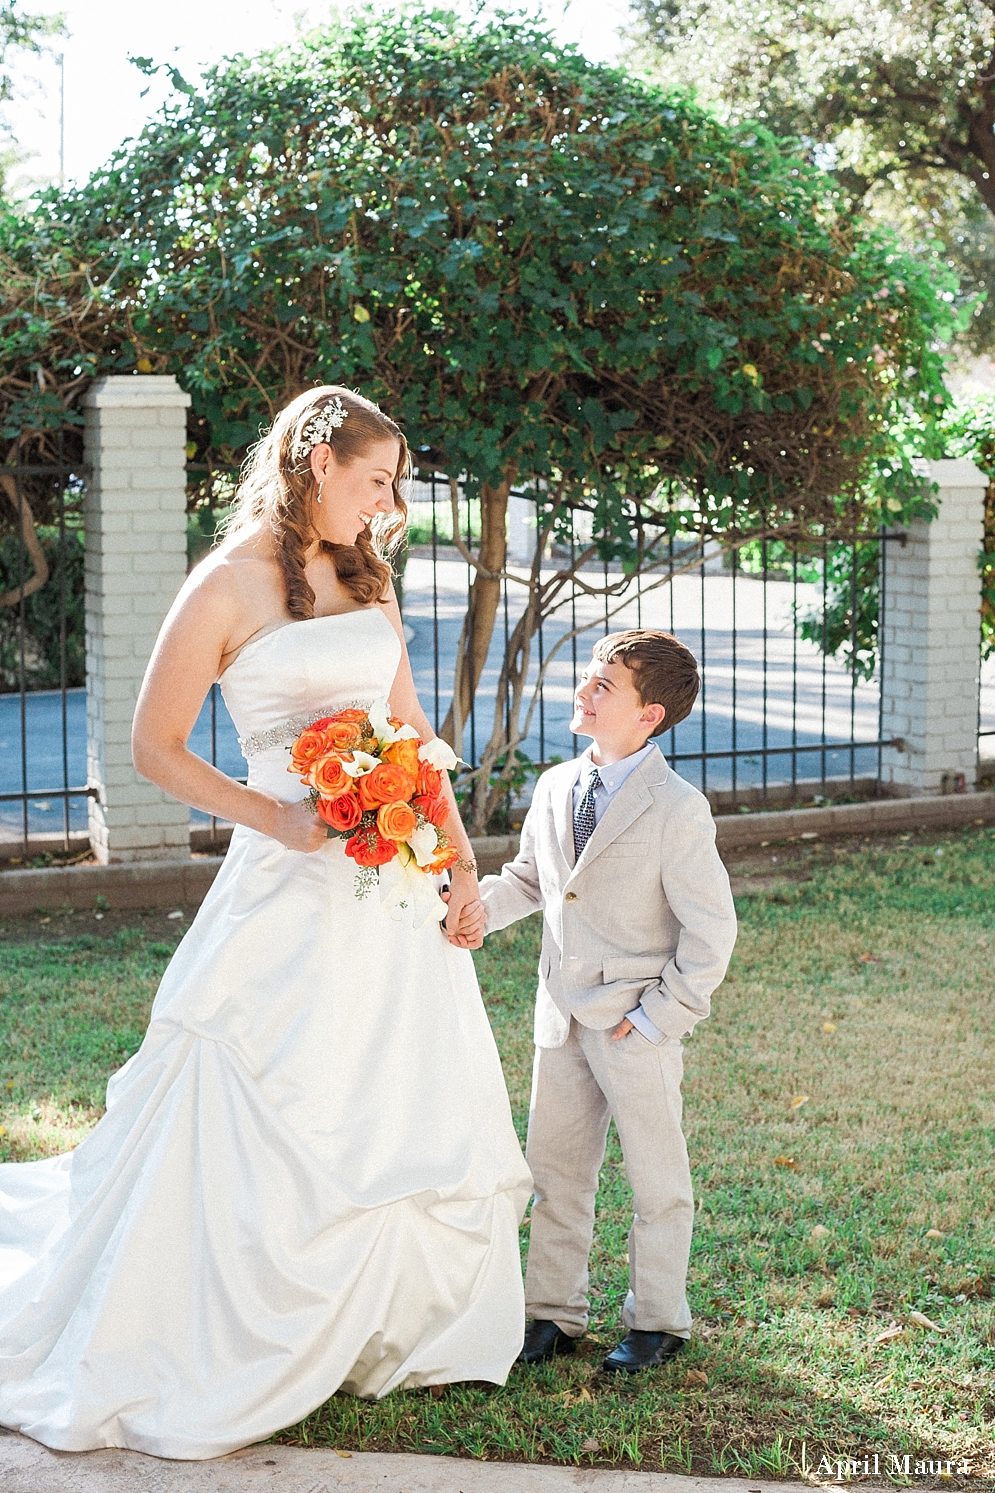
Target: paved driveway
<point>762,686</point>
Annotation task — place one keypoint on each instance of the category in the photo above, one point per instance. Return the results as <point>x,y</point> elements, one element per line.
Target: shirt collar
<point>615,774</point>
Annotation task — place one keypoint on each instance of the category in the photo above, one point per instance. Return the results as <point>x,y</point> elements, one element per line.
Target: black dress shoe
<point>642,1350</point>
<point>544,1340</point>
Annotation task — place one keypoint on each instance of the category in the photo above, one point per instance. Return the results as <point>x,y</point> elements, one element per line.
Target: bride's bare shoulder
<point>242,576</point>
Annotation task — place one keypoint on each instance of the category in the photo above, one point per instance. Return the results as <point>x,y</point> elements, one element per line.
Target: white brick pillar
<point>931,637</point>
<point>135,563</point>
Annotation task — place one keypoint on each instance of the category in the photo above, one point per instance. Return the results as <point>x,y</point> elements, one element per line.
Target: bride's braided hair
<point>278,489</point>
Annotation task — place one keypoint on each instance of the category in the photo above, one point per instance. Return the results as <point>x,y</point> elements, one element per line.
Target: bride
<point>307,1177</point>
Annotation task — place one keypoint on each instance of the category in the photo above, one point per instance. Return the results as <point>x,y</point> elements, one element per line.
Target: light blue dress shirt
<point>612,777</point>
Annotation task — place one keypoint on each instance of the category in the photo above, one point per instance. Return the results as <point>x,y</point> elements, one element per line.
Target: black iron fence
<point>43,774</point>
<point>787,638</point>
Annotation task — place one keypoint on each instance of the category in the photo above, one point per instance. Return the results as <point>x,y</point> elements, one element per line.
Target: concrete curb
<point>166,883</point>
<point>26,1467</point>
<point>182,883</point>
<point>138,884</point>
<point>876,816</point>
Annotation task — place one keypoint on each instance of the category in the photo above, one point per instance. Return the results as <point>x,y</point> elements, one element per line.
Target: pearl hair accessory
<point>320,427</point>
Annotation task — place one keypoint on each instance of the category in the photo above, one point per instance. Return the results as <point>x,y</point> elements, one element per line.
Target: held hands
<point>466,917</point>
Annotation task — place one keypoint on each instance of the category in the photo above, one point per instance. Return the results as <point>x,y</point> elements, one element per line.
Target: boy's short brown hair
<point>664,672</point>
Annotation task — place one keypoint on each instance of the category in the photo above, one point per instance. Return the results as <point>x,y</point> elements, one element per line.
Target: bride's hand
<point>463,891</point>
<point>298,827</point>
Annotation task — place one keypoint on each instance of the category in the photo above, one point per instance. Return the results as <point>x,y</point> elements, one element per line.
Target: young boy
<point>638,926</point>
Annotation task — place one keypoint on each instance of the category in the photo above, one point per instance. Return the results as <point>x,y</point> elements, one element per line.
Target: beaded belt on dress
<point>287,733</point>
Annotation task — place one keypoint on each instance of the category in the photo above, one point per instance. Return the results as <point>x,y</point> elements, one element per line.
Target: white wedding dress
<point>307,1178</point>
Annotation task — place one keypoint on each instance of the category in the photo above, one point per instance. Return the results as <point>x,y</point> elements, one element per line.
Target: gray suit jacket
<point>645,915</point>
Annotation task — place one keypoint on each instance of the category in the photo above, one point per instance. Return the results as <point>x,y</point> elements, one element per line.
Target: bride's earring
<point>319,493</point>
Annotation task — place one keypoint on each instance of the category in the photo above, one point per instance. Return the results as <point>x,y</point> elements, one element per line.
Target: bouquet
<point>378,786</point>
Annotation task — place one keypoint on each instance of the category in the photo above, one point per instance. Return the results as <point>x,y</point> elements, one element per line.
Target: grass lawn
<point>840,1111</point>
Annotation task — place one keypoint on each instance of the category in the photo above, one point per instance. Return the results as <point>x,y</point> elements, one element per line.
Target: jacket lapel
<point>563,817</point>
<point>632,799</point>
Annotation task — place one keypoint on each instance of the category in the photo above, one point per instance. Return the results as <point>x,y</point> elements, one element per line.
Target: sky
<point>104,102</point>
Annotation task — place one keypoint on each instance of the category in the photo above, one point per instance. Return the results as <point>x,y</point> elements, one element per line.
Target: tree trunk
<point>485,597</point>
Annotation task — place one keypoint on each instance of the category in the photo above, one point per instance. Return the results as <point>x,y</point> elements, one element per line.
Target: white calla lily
<point>407,893</point>
<point>424,842</point>
<point>379,713</point>
<point>362,762</point>
<point>438,754</point>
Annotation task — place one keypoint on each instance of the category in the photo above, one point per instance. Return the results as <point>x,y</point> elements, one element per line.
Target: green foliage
<point>774,558</point>
<point>550,273</point>
<point>541,267</point>
<point>844,624</point>
<point>510,775</point>
<point>897,98</point>
<point>42,613</point>
<point>205,523</point>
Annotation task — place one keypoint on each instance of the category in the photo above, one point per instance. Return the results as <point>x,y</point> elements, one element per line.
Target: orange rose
<point>369,848</point>
<point>385,785</point>
<point>340,813</point>
<point>330,777</point>
<point>342,736</point>
<point>433,806</point>
<point>443,860</point>
<point>396,821</point>
<point>405,754</point>
<point>308,747</point>
<point>429,779</point>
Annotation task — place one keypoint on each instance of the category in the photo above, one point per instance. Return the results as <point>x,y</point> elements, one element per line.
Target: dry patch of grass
<point>840,1111</point>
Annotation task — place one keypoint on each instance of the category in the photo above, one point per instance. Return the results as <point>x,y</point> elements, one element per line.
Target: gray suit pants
<point>576,1089</point>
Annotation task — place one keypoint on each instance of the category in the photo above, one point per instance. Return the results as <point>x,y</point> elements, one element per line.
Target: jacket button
<point>570,897</point>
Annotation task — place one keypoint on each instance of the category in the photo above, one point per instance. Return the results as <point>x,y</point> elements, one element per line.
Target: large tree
<point>898,96</point>
<point>552,275</point>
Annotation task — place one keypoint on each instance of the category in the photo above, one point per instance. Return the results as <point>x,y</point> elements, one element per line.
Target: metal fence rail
<point>43,788</point>
<point>776,709</point>
<point>779,713</point>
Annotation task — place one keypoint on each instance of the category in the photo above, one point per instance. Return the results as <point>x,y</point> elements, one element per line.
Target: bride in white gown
<point>307,1177</point>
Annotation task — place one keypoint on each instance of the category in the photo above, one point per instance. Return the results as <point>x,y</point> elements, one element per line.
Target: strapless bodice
<point>290,676</point>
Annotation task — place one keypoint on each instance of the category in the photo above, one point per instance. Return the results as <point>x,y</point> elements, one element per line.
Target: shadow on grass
<point>748,1420</point>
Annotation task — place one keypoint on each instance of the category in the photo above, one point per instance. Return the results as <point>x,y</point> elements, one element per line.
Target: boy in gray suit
<point>638,926</point>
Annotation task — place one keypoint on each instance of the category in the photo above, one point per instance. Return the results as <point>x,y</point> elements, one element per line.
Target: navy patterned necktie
<point>584,820</point>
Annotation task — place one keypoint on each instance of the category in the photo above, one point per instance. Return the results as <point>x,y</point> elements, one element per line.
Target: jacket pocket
<point>635,966</point>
